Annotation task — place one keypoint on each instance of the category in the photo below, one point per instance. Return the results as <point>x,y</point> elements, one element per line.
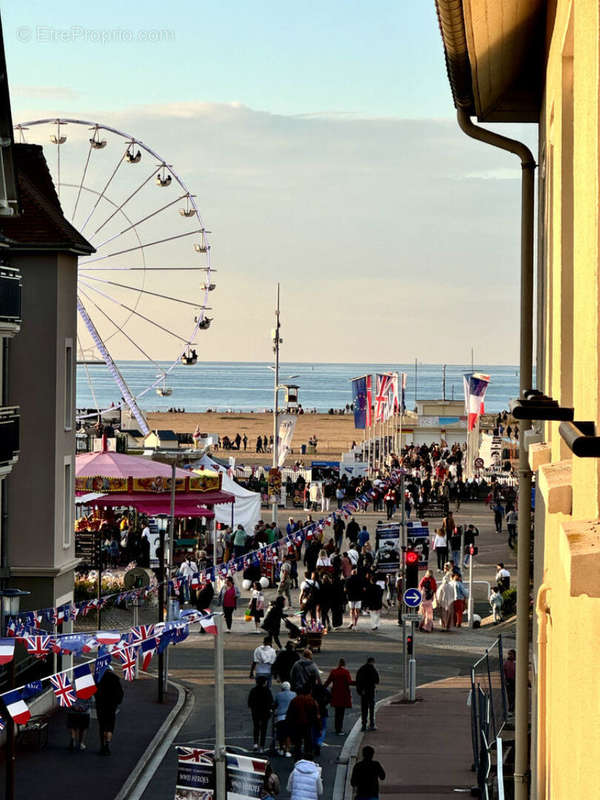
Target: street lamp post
<point>10,600</point>
<point>276,342</point>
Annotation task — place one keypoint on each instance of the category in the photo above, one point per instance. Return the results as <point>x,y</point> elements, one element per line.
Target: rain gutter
<point>521,773</point>
<point>451,19</point>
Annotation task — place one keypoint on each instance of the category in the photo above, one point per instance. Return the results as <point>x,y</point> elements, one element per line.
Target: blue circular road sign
<point>412,598</point>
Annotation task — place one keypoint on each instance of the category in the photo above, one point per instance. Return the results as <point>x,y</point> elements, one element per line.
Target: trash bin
<point>303,449</point>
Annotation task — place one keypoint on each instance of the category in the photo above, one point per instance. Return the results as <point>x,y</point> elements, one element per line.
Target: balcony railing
<point>10,300</point>
<point>9,437</point>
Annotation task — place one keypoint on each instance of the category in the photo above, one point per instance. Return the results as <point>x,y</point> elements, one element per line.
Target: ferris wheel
<point>143,295</point>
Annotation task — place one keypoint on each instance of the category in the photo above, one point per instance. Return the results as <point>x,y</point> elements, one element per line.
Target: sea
<point>248,386</point>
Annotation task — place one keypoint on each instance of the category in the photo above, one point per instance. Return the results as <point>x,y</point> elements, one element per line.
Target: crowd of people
<point>300,709</point>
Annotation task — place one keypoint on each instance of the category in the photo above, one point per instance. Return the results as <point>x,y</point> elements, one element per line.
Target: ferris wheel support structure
<point>113,369</point>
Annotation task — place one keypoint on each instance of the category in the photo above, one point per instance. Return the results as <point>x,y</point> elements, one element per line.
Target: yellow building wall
<point>568,655</point>
<point>568,685</point>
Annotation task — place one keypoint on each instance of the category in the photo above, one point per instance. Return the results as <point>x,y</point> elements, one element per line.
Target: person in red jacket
<point>341,697</point>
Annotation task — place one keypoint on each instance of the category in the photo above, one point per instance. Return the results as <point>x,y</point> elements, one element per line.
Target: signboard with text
<point>387,547</point>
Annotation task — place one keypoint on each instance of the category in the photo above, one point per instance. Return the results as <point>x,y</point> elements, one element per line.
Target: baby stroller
<point>295,634</point>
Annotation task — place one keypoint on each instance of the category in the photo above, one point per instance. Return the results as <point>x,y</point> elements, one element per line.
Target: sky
<point>320,142</point>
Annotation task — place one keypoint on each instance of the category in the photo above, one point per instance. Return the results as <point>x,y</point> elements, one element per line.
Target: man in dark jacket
<point>367,679</point>
<point>355,587</point>
<point>338,530</point>
<point>352,530</point>
<point>311,555</point>
<point>305,673</point>
<point>284,662</point>
<point>109,696</point>
<point>260,703</point>
<point>302,719</point>
<point>366,776</point>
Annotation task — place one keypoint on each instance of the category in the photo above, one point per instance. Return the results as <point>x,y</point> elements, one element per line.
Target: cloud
<point>44,92</point>
<point>391,238</point>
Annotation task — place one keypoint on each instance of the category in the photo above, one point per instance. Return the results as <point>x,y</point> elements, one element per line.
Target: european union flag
<point>359,400</point>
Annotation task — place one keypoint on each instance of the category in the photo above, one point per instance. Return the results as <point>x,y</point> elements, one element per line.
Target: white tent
<point>246,509</point>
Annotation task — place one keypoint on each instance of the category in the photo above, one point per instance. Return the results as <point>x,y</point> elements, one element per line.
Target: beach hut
<point>161,440</point>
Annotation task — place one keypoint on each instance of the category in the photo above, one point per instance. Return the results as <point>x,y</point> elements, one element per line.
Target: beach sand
<point>334,432</point>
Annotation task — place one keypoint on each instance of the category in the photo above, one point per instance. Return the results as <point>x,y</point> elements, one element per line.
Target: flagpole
<point>220,757</point>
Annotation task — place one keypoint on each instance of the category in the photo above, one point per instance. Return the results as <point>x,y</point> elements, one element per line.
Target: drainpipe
<point>3,492</point>
<point>543,617</point>
<point>521,773</point>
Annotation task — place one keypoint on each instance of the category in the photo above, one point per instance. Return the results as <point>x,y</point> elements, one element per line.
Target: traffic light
<point>411,561</point>
<point>409,644</point>
<point>473,550</point>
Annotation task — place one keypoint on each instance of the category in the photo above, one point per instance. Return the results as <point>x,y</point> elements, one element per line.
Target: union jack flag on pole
<point>381,396</point>
<point>63,690</point>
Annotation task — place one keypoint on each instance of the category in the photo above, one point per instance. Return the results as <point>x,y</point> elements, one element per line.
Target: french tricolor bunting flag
<point>148,651</point>
<point>83,682</point>
<point>108,637</point>
<point>16,706</point>
<point>7,650</point>
<point>208,623</point>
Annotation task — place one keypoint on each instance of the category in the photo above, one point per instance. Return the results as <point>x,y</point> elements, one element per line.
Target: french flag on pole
<point>16,706</point>
<point>83,682</point>
<point>475,385</point>
<point>7,650</point>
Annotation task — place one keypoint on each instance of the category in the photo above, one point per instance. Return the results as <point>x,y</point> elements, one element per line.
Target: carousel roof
<point>121,465</point>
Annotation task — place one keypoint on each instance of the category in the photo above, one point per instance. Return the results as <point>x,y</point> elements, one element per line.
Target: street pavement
<point>56,772</point>
<point>439,656</point>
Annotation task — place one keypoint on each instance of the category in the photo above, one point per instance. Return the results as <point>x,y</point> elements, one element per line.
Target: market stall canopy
<point>246,510</point>
<point>154,506</point>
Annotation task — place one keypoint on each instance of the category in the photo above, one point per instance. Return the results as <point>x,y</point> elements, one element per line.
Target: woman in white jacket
<point>305,781</point>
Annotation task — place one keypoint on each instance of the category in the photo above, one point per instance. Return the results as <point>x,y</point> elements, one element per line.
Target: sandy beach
<point>334,432</point>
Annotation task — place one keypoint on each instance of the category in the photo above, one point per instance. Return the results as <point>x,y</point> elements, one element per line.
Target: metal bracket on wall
<point>581,439</point>
<point>535,405</point>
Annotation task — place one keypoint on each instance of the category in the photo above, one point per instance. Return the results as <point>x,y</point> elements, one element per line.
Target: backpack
<point>427,590</point>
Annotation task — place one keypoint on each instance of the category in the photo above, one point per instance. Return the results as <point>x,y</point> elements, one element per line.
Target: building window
<point>68,503</point>
<point>68,384</point>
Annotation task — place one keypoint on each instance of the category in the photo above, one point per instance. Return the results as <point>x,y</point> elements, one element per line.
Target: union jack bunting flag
<point>139,633</point>
<point>63,690</point>
<point>128,656</point>
<point>2,724</point>
<point>38,646</point>
<point>89,606</point>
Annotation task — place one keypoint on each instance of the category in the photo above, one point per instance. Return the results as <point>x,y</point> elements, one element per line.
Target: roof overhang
<point>495,56</point>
